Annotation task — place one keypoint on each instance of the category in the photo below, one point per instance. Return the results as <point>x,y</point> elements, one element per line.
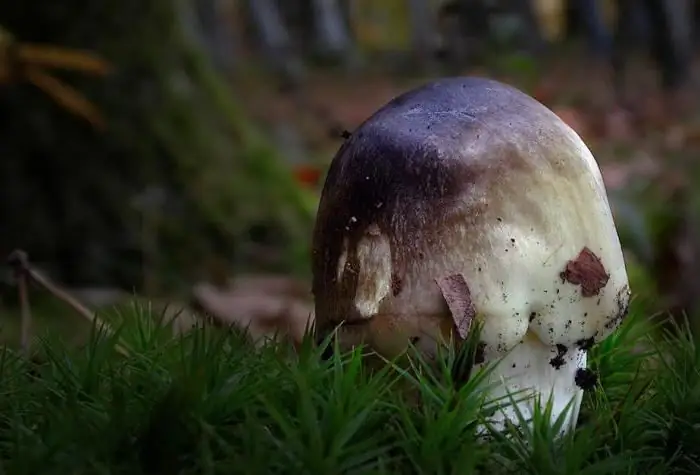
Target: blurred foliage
<point>658,219</point>
<point>381,25</point>
<point>178,178</point>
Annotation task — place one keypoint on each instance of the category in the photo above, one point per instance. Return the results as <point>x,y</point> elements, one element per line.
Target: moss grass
<point>208,402</point>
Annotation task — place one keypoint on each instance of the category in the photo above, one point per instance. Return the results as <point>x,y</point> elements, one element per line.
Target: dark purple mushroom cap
<point>466,198</point>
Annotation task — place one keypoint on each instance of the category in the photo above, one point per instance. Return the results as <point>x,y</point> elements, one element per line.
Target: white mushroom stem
<point>526,374</point>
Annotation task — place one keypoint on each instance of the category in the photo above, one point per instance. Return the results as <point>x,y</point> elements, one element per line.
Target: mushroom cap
<point>466,198</point>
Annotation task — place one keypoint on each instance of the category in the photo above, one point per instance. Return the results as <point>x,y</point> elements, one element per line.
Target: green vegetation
<point>208,402</point>
<point>178,180</point>
<point>181,185</point>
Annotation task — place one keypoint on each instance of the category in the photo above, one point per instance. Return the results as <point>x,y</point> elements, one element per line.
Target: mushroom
<point>466,199</point>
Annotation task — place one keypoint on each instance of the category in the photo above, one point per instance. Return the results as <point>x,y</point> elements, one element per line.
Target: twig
<point>56,57</point>
<point>19,260</point>
<point>20,274</point>
<point>64,95</point>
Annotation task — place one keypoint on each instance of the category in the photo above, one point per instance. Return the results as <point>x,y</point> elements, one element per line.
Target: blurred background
<point>174,150</point>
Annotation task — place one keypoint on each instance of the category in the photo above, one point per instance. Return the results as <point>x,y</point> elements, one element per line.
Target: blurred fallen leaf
<point>267,306</point>
<point>272,284</point>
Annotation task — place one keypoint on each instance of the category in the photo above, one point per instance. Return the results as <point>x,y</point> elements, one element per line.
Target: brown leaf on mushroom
<point>459,300</point>
<point>587,271</point>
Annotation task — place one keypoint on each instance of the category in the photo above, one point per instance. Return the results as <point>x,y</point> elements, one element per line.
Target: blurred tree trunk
<point>287,30</point>
<point>591,16</point>
<point>423,30</point>
<point>532,37</point>
<point>671,39</point>
<point>465,27</point>
<point>270,28</point>
<point>332,37</point>
<point>178,160</point>
<point>666,27</point>
<point>208,22</point>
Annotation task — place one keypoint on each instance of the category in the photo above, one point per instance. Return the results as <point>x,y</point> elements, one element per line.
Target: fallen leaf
<point>267,306</point>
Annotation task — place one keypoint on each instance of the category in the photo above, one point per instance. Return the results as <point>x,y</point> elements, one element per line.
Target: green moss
<point>50,318</point>
<point>210,403</point>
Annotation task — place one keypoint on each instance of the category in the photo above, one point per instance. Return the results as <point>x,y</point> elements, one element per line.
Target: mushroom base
<point>532,370</point>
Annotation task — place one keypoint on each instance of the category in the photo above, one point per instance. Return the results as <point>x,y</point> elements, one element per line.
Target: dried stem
<point>25,334</point>
<point>64,95</point>
<point>56,57</point>
<point>19,260</point>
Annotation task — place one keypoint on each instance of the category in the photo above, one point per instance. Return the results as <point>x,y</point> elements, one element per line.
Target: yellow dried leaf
<point>50,56</point>
<point>65,95</point>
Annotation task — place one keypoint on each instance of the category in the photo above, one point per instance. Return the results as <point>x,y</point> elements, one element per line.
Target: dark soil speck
<point>396,285</point>
<point>558,361</point>
<point>585,343</point>
<point>585,379</point>
<point>479,356</point>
